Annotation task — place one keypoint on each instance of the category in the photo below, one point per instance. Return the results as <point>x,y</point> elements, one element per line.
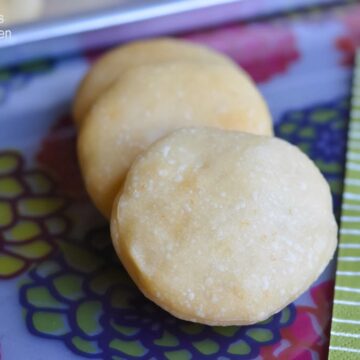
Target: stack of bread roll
<point>215,220</point>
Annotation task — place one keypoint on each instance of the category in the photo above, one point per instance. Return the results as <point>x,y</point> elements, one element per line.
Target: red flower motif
<point>348,43</point>
<point>263,50</point>
<point>309,333</point>
<point>58,155</point>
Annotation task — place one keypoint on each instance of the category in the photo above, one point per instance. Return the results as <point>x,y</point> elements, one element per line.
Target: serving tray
<point>63,294</point>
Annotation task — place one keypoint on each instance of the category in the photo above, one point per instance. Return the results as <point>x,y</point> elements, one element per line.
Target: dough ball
<point>223,228</point>
<point>110,66</point>
<point>150,101</point>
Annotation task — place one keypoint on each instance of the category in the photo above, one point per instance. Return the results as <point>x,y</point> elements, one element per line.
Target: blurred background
<point>52,27</point>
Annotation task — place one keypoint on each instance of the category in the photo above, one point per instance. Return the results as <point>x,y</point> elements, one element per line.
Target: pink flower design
<point>351,41</point>
<point>309,333</point>
<point>263,50</point>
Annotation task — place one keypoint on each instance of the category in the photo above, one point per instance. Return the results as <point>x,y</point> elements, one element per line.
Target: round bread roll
<point>223,228</point>
<point>150,101</point>
<point>110,66</point>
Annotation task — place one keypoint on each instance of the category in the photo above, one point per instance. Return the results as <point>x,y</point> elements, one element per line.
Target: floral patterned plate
<point>63,294</point>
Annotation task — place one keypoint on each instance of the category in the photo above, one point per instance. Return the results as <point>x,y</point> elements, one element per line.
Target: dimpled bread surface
<point>221,227</point>
<point>147,103</point>
<point>111,65</point>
